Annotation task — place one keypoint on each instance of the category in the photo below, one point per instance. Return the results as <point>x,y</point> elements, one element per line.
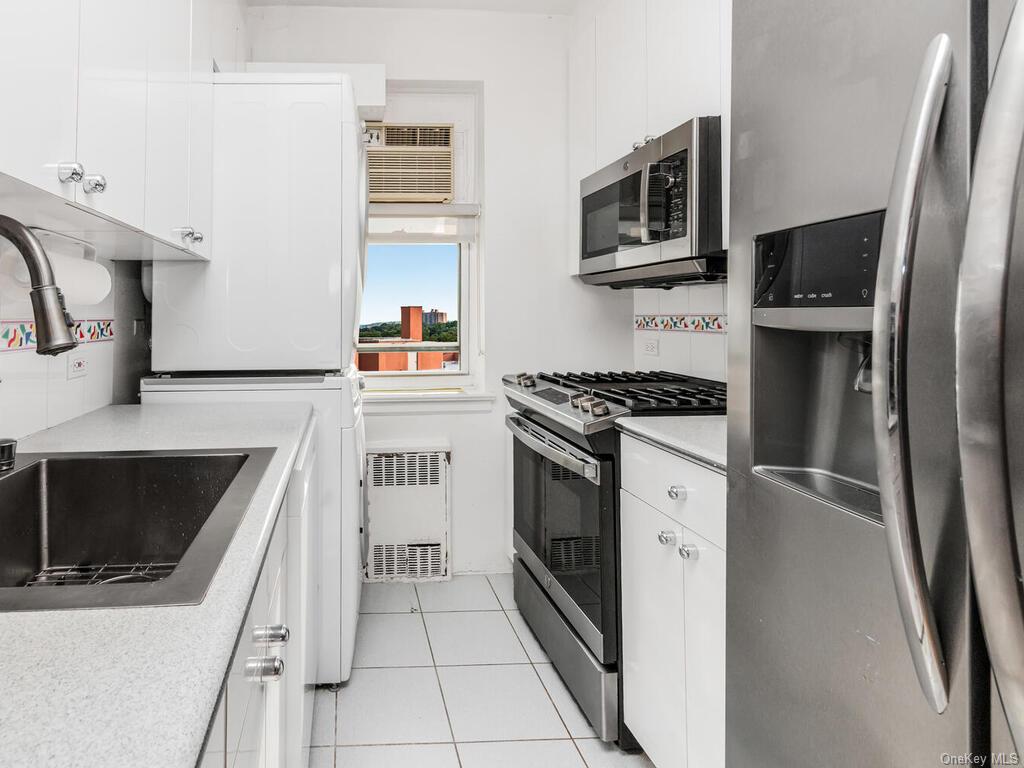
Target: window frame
<point>470,352</point>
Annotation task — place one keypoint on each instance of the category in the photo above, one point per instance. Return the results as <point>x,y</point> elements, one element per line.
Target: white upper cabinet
<point>39,89</point>
<point>582,123</point>
<point>658,64</point>
<point>167,130</point>
<point>112,93</point>
<point>683,62</point>
<point>200,127</point>
<point>621,78</point>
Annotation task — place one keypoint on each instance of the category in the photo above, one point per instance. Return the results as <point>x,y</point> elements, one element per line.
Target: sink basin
<point>96,530</point>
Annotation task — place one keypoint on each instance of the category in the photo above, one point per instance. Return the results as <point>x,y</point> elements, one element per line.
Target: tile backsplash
<point>37,391</point>
<point>682,330</point>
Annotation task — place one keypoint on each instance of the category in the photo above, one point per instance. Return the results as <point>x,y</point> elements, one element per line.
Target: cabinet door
<point>213,754</point>
<point>582,125</point>
<point>200,127</point>
<point>621,78</point>
<point>39,59</point>
<point>273,754</point>
<point>653,617</point>
<point>167,105</point>
<point>704,599</point>
<point>112,105</point>
<point>684,70</point>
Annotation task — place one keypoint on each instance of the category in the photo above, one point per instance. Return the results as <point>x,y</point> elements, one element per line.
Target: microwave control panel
<point>826,264</point>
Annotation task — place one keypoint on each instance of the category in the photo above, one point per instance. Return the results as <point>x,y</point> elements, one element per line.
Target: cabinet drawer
<point>649,473</point>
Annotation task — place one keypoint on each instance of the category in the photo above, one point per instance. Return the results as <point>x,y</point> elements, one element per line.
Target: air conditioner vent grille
<point>389,470</point>
<point>411,163</point>
<point>417,135</point>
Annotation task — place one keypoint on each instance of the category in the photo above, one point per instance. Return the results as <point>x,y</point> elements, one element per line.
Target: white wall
<point>535,315</point>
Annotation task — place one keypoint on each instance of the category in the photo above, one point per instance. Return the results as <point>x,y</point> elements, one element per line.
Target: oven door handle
<point>552,448</point>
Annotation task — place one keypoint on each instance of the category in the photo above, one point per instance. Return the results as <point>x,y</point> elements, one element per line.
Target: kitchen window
<point>418,304</point>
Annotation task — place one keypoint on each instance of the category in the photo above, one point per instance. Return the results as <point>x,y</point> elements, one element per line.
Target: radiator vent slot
<point>406,561</point>
<point>411,163</point>
<point>388,470</point>
<point>574,553</point>
<point>407,527</point>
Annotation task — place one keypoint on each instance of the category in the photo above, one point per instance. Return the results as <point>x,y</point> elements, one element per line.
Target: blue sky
<point>410,275</point>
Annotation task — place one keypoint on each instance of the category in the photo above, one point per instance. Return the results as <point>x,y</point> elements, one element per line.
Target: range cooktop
<point>648,392</point>
<point>590,402</point>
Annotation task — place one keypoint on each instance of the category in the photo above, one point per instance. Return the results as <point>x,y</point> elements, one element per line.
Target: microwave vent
<point>411,163</point>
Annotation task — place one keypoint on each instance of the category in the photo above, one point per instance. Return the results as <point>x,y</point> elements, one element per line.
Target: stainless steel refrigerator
<point>868,473</point>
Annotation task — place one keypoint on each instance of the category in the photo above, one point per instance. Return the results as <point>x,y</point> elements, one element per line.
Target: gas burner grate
<point>647,392</point>
<point>93,575</point>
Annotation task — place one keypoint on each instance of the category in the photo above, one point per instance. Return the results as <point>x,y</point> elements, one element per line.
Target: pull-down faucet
<point>54,324</point>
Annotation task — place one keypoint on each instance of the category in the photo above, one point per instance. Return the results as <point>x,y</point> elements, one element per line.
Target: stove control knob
<point>587,402</point>
<point>599,408</point>
<point>519,378</point>
<point>576,399</point>
<point>528,382</point>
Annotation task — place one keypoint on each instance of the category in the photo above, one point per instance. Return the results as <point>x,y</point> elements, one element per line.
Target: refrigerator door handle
<point>889,372</point>
<point>980,397</point>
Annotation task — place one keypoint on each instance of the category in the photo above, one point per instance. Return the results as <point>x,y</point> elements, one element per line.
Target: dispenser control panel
<point>826,264</point>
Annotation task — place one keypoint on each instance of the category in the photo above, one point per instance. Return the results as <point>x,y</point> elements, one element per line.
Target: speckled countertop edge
<point>138,686</point>
<point>700,438</point>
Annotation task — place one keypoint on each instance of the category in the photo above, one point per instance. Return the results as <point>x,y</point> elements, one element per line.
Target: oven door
<point>564,523</point>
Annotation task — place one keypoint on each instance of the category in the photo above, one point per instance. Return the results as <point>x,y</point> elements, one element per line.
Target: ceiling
<point>510,6</point>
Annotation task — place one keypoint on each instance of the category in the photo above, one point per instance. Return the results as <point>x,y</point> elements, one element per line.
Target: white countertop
<point>138,686</point>
<point>699,437</point>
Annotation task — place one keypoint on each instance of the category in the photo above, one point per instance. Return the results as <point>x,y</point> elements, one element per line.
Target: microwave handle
<point>645,204</point>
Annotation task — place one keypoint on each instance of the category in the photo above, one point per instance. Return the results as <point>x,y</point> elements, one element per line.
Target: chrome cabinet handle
<point>70,173</point>
<point>666,537</point>
<point>94,183</point>
<point>980,395</point>
<point>264,669</point>
<point>188,233</point>
<point>689,552</point>
<point>889,371</point>
<point>677,492</point>
<point>271,634</point>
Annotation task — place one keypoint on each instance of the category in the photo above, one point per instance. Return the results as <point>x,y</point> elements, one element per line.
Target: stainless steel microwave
<point>654,217</point>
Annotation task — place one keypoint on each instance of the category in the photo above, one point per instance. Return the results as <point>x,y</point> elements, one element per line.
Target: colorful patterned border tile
<point>17,335</point>
<point>690,323</point>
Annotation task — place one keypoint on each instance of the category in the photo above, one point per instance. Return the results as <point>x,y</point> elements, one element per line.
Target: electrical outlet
<point>78,366</point>
<point>651,347</point>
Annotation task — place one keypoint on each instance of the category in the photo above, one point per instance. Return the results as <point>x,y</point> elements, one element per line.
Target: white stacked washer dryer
<point>274,315</point>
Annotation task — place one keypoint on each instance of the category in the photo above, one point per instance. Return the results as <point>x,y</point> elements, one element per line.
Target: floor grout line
<point>530,661</point>
<point>543,685</point>
<point>437,675</point>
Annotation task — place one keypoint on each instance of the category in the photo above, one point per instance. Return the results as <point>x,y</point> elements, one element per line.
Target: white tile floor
<point>448,675</point>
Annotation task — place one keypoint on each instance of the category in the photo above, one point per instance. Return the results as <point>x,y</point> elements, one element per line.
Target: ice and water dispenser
<point>813,300</point>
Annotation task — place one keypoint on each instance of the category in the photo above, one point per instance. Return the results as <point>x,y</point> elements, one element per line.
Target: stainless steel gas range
<point>566,526</point>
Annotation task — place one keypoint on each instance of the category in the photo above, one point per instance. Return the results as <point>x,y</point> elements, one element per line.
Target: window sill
<point>426,401</point>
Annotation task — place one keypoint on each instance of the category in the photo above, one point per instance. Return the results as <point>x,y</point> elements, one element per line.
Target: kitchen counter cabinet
<point>672,532</point>
<point>141,686</point>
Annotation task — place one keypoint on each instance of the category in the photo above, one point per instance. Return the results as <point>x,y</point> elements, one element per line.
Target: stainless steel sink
<point>95,530</point>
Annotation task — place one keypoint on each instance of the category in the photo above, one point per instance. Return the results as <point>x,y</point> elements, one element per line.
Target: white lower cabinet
<point>267,723</point>
<point>673,631</point>
<point>653,646</point>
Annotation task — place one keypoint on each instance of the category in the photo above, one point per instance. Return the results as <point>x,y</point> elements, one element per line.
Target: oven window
<point>572,537</point>
<point>611,218</point>
<point>558,514</point>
